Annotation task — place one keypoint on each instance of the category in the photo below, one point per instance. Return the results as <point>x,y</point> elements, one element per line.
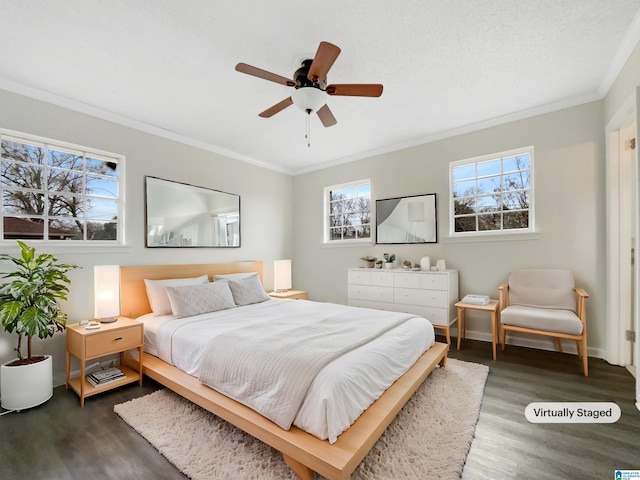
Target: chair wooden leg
<point>585,357</point>
<point>578,348</point>
<point>504,337</point>
<point>559,345</point>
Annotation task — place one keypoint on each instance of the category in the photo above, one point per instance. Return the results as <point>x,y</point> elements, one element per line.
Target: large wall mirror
<point>182,215</point>
<point>407,219</point>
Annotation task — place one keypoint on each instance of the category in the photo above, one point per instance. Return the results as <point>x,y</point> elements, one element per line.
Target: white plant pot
<point>26,386</point>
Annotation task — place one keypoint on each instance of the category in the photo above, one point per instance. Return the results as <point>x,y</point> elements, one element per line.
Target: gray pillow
<point>190,300</point>
<point>156,291</point>
<point>247,291</point>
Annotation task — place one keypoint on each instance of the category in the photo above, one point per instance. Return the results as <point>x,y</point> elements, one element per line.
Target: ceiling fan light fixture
<point>308,99</point>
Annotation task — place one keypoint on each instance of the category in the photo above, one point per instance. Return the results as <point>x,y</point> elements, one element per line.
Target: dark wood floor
<point>59,440</point>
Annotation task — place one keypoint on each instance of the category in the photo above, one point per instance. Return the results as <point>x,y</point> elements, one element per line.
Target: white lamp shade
<point>281,275</point>
<point>106,286</point>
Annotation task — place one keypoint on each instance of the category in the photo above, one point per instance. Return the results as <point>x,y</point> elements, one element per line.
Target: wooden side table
<point>293,294</point>
<point>110,338</point>
<point>491,307</point>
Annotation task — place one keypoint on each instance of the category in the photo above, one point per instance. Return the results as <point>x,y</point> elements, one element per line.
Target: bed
<point>304,452</point>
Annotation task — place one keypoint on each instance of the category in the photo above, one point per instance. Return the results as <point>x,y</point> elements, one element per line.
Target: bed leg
<point>443,362</point>
<point>303,472</point>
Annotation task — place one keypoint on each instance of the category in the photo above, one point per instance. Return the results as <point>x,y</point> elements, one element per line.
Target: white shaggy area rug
<point>429,439</point>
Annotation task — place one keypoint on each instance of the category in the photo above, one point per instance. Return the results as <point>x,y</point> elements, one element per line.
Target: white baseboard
<point>531,341</point>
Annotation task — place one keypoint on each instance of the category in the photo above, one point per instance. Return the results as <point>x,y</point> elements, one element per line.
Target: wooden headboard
<point>133,293</point>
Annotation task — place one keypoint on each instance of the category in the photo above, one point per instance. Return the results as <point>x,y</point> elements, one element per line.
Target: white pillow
<point>247,291</point>
<point>157,294</point>
<point>190,300</point>
<point>233,276</point>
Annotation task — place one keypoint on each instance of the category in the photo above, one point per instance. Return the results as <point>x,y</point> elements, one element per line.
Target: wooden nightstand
<point>293,294</point>
<point>110,338</point>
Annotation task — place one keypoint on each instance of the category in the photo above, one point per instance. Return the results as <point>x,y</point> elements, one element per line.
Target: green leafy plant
<point>368,259</point>
<point>29,300</point>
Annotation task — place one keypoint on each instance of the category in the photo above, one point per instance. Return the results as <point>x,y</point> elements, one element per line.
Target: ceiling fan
<point>310,83</point>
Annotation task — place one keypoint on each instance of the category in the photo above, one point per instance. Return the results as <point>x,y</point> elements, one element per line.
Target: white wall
<point>266,212</point>
<point>569,205</point>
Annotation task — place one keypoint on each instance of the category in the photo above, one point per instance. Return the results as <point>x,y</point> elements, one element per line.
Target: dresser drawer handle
<point>116,339</point>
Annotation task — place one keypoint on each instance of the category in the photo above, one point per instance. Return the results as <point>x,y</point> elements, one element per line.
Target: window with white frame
<point>348,212</point>
<point>492,193</point>
<point>57,191</point>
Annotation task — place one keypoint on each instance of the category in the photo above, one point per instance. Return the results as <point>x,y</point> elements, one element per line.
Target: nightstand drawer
<point>113,341</point>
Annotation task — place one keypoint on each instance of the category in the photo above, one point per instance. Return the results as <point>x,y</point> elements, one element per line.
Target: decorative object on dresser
<point>29,307</point>
<point>429,294</point>
<point>281,275</point>
<point>425,263</point>
<point>87,344</point>
<point>441,265</point>
<point>106,285</point>
<point>407,219</point>
<point>369,261</point>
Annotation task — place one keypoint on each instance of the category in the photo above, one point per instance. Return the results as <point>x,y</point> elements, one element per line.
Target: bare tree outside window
<point>349,211</point>
<point>51,192</point>
<point>492,193</point>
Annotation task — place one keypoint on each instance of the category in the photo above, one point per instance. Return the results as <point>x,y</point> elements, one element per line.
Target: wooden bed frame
<point>303,452</point>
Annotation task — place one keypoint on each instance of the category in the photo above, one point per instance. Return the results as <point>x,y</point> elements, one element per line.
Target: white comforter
<point>340,392</point>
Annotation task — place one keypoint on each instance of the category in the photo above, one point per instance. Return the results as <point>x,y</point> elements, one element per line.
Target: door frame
<point>619,234</point>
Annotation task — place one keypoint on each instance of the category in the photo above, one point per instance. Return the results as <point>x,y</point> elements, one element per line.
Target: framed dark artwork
<point>407,219</point>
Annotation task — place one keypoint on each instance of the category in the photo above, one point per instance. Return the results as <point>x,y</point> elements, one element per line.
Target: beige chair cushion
<point>543,288</point>
<point>552,320</point>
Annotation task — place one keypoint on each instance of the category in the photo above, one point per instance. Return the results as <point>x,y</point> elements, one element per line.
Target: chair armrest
<point>581,292</point>
<point>503,291</point>
<point>582,311</point>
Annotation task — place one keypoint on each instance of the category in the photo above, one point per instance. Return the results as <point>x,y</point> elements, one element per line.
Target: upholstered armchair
<point>545,302</point>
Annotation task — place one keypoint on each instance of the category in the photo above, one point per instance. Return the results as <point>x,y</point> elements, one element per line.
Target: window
<point>53,191</point>
<point>492,194</point>
<point>348,212</point>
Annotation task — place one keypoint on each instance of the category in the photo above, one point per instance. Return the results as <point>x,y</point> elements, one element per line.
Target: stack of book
<point>105,376</point>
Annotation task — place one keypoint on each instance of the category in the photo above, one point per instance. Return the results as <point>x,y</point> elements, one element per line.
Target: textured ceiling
<point>447,66</point>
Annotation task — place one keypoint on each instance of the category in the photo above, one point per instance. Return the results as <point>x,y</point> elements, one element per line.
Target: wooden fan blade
<point>258,72</point>
<point>322,62</point>
<point>271,111</point>
<point>326,116</point>
<point>355,89</point>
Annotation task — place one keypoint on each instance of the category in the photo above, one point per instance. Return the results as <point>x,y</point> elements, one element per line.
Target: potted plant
<point>29,307</point>
<point>369,261</point>
<point>389,260</point>
<point>379,264</point>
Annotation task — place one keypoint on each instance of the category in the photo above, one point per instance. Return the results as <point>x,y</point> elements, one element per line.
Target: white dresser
<point>426,293</point>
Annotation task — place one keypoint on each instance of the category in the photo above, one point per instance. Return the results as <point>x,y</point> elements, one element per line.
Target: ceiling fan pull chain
<point>307,134</point>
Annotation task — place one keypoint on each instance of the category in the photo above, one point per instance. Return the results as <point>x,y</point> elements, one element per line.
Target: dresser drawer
<point>406,280</point>
<point>113,341</point>
<point>437,316</point>
<point>382,278</point>
<point>425,298</point>
<point>388,307</point>
<point>359,277</point>
<point>371,293</point>
<point>434,281</point>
